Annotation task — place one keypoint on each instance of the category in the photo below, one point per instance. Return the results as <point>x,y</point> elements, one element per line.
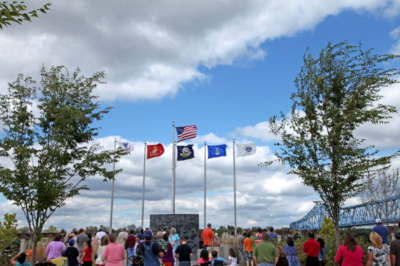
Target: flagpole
<point>234,185</point>
<point>144,178</point>
<point>173,168</point>
<point>112,187</point>
<point>205,184</point>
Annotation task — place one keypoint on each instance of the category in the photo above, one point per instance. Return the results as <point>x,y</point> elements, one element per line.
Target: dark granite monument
<point>185,224</point>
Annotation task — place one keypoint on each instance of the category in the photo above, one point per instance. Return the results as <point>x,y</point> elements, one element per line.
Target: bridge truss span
<point>388,210</point>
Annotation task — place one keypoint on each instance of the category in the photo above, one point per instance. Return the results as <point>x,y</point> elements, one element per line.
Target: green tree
<point>49,140</point>
<point>50,229</point>
<point>15,12</point>
<point>8,230</point>
<point>336,93</point>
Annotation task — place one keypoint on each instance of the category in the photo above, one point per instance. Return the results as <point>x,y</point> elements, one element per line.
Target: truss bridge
<point>388,210</point>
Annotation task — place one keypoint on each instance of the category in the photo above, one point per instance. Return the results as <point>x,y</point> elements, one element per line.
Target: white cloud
<point>150,50</point>
<point>395,34</point>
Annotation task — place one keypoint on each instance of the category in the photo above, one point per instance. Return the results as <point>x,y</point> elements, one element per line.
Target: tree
<point>383,186</point>
<point>8,230</point>
<point>336,93</point>
<point>23,230</point>
<point>49,140</point>
<point>15,13</point>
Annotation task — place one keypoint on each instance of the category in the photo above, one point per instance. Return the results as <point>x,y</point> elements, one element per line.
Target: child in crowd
<point>203,257</point>
<point>72,253</point>
<point>232,259</point>
<point>248,249</point>
<point>184,252</point>
<point>103,244</point>
<point>216,258</point>
<point>20,260</point>
<point>86,258</point>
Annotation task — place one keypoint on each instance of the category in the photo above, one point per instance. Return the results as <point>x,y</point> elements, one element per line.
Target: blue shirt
<point>219,258</point>
<point>382,231</point>
<point>272,235</point>
<point>175,238</point>
<point>26,263</point>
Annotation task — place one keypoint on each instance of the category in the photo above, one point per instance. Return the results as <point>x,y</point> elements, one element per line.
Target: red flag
<point>154,150</point>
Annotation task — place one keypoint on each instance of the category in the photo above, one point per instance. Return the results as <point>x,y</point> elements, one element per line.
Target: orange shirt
<point>248,244</point>
<point>207,236</point>
<point>30,255</point>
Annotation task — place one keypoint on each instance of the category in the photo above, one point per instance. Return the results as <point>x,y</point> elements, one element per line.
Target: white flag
<point>245,149</point>
<point>127,147</point>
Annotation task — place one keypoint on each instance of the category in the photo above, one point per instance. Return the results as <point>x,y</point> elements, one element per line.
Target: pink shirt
<point>114,253</point>
<point>350,258</point>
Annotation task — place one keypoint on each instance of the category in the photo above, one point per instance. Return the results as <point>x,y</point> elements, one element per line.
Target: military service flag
<point>216,151</point>
<point>154,150</point>
<point>185,152</point>
<point>245,149</point>
<point>127,147</point>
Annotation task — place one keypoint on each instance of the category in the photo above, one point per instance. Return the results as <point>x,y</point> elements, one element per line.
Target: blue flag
<point>185,152</point>
<point>216,151</point>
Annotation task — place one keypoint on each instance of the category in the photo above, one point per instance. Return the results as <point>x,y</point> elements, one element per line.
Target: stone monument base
<point>185,225</point>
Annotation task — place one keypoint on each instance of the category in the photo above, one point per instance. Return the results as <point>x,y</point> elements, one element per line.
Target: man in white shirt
<point>99,235</point>
<point>122,236</point>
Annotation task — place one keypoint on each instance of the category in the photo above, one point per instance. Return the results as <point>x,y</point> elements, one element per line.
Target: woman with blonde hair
<point>100,251</point>
<point>377,254</point>
<point>282,261</point>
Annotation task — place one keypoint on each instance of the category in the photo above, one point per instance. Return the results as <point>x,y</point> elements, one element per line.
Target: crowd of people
<point>167,248</point>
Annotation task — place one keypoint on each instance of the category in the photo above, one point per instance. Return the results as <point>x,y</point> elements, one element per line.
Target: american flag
<point>188,132</point>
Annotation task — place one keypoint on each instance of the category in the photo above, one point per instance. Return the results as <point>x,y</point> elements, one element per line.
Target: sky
<point>224,66</point>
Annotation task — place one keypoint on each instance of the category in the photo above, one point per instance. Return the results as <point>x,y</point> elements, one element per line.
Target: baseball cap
<point>139,235</point>
<point>378,221</point>
<point>71,241</point>
<point>147,235</point>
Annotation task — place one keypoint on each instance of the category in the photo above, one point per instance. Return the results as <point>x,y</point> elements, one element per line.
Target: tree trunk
<point>34,245</point>
<point>337,232</point>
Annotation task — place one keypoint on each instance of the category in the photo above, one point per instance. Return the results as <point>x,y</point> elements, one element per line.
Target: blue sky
<point>224,67</point>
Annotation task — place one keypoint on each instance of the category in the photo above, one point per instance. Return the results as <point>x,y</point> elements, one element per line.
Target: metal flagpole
<point>234,185</point>
<point>173,168</point>
<point>112,187</point>
<point>205,184</point>
<point>144,178</point>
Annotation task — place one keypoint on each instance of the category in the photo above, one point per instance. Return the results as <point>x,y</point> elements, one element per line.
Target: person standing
<point>311,247</point>
<point>55,247</point>
<point>265,254</point>
<point>122,236</point>
<point>114,253</point>
<point>99,235</point>
<point>72,253</point>
<point>377,253</point>
<point>248,249</point>
<point>100,251</point>
<point>291,252</point>
<point>89,233</point>
<point>207,236</point>
<point>168,258</point>
<point>151,251</point>
<point>81,240</point>
<point>350,254</point>
<point>383,232</point>
<point>322,252</point>
<point>232,259</point>
<point>184,252</point>
<point>272,235</point>
<point>86,258</point>
<point>395,249</point>
<point>131,241</point>
<point>174,236</point>
<point>241,246</point>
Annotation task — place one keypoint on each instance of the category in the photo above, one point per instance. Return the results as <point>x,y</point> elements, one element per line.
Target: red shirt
<point>355,258</point>
<point>131,241</point>
<point>311,248</point>
<point>88,254</point>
